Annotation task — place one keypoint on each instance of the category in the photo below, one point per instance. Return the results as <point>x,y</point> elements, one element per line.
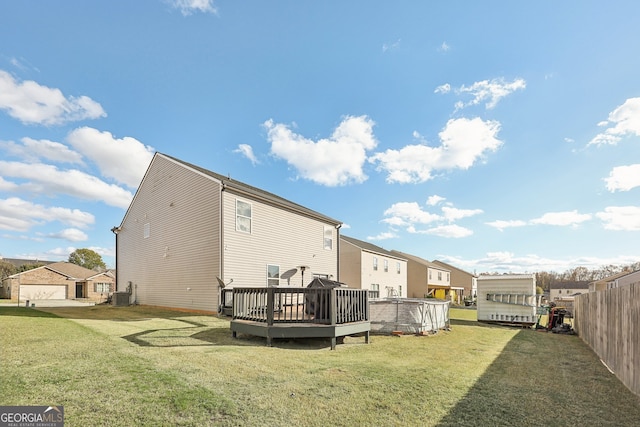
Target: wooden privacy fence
<point>609,322</point>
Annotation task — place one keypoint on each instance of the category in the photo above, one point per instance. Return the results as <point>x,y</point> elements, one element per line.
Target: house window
<point>398,267</point>
<point>243,216</point>
<point>273,275</point>
<point>375,264</point>
<point>147,230</point>
<point>439,276</point>
<point>328,238</point>
<point>400,291</point>
<point>429,274</point>
<point>448,279</point>
<point>102,288</point>
<point>386,265</point>
<point>374,291</point>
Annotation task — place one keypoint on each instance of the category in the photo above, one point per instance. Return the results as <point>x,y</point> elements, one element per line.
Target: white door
<point>39,292</point>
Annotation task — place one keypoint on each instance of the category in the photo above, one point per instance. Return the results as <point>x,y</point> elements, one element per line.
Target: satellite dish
<point>221,283</point>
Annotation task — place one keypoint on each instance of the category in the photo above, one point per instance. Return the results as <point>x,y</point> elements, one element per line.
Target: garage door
<point>38,292</point>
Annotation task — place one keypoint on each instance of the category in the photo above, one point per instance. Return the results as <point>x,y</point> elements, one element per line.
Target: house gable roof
<point>421,261</point>
<point>67,269</point>
<point>451,267</point>
<point>244,189</point>
<point>366,246</point>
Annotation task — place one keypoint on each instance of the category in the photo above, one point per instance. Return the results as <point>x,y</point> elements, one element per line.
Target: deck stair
<point>514,299</point>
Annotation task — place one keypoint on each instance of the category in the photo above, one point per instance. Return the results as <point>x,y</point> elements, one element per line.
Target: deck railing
<point>330,306</point>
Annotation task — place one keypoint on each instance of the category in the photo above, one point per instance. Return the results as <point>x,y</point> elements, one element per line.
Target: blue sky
<point>496,136</point>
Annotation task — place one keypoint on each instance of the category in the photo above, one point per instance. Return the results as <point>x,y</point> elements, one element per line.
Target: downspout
<point>116,230</point>
<point>338,251</point>
<point>221,250</point>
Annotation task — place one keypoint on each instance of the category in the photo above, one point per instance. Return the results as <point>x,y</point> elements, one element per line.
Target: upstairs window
<point>439,276</point>
<point>386,265</point>
<point>243,216</point>
<point>328,238</point>
<point>398,267</point>
<point>375,264</point>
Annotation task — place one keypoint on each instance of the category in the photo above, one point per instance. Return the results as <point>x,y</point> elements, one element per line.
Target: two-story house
<point>364,265</point>
<point>187,227</point>
<point>465,284</point>
<point>426,279</point>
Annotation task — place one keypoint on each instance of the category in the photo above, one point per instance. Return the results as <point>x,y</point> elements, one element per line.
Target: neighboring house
<point>59,280</point>
<point>565,290</point>
<point>624,280</point>
<point>507,298</point>
<point>464,283</point>
<point>426,279</point>
<point>563,294</point>
<point>367,266</point>
<point>187,227</point>
<point>606,282</point>
<point>19,262</point>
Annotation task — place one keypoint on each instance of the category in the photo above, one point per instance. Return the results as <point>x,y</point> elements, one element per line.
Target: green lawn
<point>142,366</point>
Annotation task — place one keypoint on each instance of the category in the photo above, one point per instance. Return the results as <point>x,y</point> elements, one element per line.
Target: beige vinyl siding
<point>386,279</point>
<point>351,265</point>
<point>278,237</point>
<point>177,264</point>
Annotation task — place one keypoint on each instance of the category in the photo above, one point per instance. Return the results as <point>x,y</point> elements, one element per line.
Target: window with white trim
<point>243,216</point>
<point>374,291</point>
<point>273,275</point>
<point>439,276</point>
<point>398,267</point>
<point>375,263</point>
<point>328,238</point>
<point>102,288</point>
<point>386,265</point>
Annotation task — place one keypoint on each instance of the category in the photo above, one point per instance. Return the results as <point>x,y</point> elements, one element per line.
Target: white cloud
<point>444,47</point>
<point>20,215</point>
<point>408,213</point>
<point>333,161</point>
<point>501,224</point>
<point>450,231</point>
<point>624,218</point>
<point>7,185</point>
<point>572,218</point>
<point>188,7</point>
<point>445,88</point>
<point>32,103</point>
<point>464,141</point>
<point>383,236</point>
<point>32,149</point>
<point>125,160</point>
<point>623,178</point>
<point>48,180</point>
<point>391,46</point>
<point>624,121</point>
<point>70,234</point>
<point>489,91</point>
<point>247,151</point>
<point>434,200</point>
<point>453,214</point>
<point>503,262</point>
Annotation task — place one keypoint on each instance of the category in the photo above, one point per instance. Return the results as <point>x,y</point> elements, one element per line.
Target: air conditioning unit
<point>121,299</point>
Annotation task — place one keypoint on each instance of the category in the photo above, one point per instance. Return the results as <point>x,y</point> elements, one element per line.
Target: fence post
<point>333,306</point>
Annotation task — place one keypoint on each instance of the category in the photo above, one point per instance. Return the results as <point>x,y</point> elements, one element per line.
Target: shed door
<point>38,292</point>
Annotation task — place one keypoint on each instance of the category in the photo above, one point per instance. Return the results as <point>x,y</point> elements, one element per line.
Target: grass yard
<point>140,366</point>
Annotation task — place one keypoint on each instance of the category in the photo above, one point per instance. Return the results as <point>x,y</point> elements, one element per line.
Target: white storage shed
<point>507,298</point>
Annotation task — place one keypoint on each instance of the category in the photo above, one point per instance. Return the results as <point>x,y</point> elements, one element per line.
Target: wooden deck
<point>300,313</point>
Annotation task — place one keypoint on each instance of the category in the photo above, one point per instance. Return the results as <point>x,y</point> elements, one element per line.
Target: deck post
<point>333,307</point>
<point>270,308</point>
